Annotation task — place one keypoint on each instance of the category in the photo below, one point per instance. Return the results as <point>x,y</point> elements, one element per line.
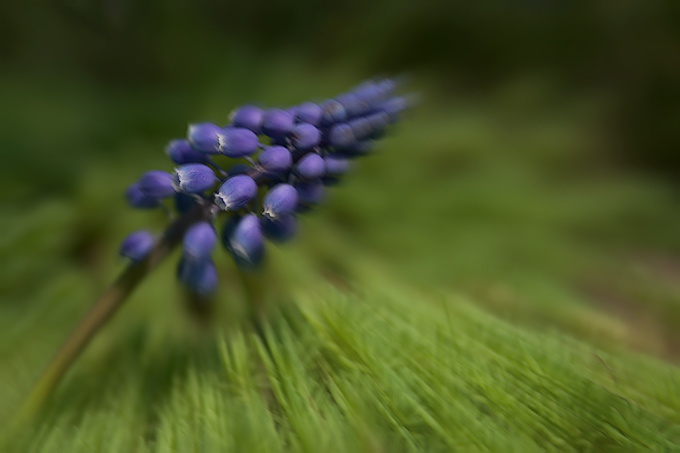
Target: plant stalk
<point>104,308</point>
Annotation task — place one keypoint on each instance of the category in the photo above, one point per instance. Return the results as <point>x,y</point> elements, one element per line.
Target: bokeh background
<point>536,178</point>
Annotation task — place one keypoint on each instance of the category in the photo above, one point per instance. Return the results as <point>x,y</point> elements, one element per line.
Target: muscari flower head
<point>283,158</point>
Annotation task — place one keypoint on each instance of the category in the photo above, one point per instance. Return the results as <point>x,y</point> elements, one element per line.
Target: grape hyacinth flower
<point>199,241</point>
<point>137,245</point>
<point>292,153</point>
<point>242,237</point>
<point>310,167</point>
<point>137,198</point>
<point>203,137</point>
<point>249,117</point>
<point>277,123</point>
<point>275,160</point>
<point>280,200</point>
<point>305,136</point>
<point>237,142</point>
<point>235,193</point>
<point>283,159</point>
<point>199,276</point>
<point>157,184</point>
<point>308,112</point>
<point>193,178</point>
<point>180,152</point>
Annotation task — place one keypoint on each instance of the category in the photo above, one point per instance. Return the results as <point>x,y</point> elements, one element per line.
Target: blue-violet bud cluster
<point>280,161</point>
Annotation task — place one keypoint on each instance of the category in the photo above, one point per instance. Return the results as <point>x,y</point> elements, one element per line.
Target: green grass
<point>487,282</point>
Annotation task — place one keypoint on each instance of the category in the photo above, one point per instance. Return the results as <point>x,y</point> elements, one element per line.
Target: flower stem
<point>104,308</point>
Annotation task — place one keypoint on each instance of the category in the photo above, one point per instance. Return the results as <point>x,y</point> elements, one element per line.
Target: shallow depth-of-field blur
<point>503,273</point>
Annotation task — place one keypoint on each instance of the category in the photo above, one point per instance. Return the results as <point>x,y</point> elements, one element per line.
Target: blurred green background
<point>536,179</point>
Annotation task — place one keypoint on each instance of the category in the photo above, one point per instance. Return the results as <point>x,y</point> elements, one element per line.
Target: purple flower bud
<point>309,194</point>
<point>341,136</point>
<point>157,184</point>
<point>277,123</point>
<point>235,193</point>
<point>280,229</point>
<point>184,202</point>
<point>275,160</point>
<point>332,112</point>
<point>180,153</point>
<point>137,198</point>
<point>305,136</point>
<point>308,112</point>
<point>194,178</point>
<point>370,92</point>
<point>279,200</point>
<point>378,120</point>
<point>361,128</point>
<point>137,245</point>
<point>335,167</point>
<point>199,241</point>
<point>353,104</point>
<point>311,166</point>
<point>203,137</point>
<point>199,276</point>
<point>237,142</point>
<point>242,237</point>
<point>386,87</point>
<point>394,106</point>
<point>249,117</point>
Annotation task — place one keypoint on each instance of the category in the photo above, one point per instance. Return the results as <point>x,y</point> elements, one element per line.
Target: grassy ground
<point>487,281</point>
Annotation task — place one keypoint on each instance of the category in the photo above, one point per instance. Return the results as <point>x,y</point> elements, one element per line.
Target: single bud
<point>332,112</point>
<point>279,200</point>
<point>309,194</point>
<point>199,241</point>
<point>378,121</point>
<point>203,137</point>
<point>386,87</point>
<point>353,104</point>
<point>137,245</point>
<point>137,198</point>
<point>275,160</point>
<point>249,117</point>
<point>341,136</point>
<point>310,166</point>
<point>305,136</point>
<point>335,168</point>
<point>237,142</point>
<point>308,112</point>
<point>235,193</point>
<point>242,237</point>
<point>361,128</point>
<point>184,202</point>
<point>199,276</point>
<point>194,178</point>
<point>180,153</point>
<point>157,184</point>
<point>277,123</point>
<point>394,106</point>
<point>370,92</point>
<point>281,229</point>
